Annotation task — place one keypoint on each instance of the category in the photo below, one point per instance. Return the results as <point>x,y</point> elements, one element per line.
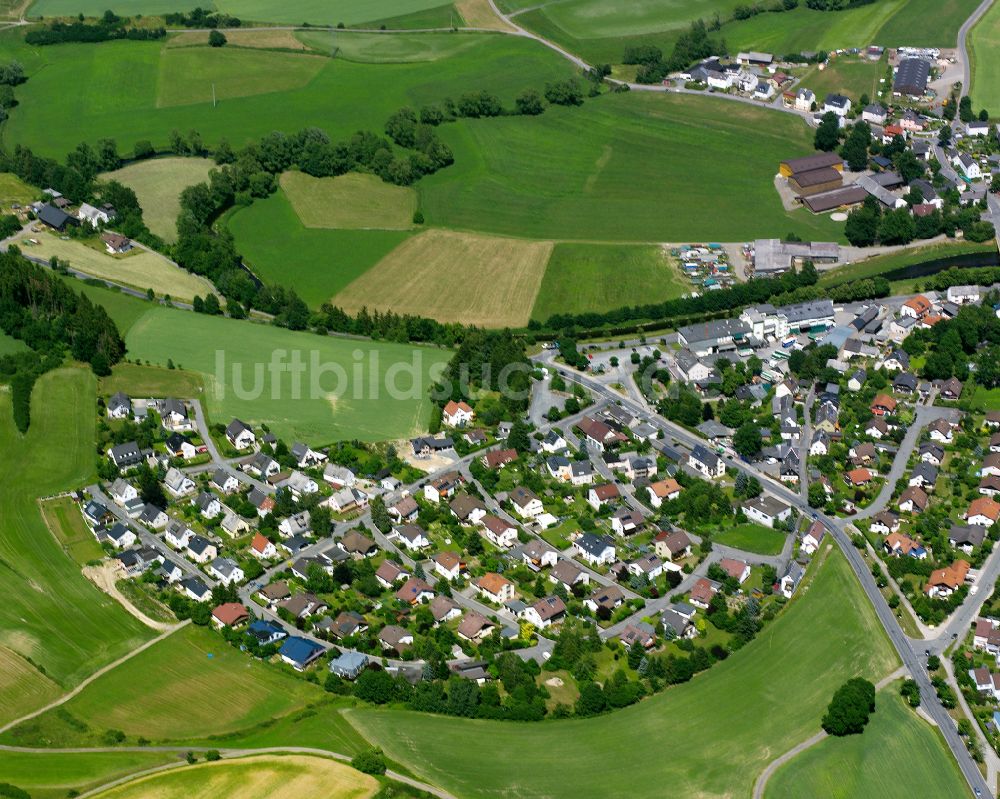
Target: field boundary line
<point>225,754</point>
<point>761,784</point>
<point>99,673</point>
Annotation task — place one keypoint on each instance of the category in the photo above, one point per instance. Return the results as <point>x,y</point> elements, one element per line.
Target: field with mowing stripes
<point>158,183</point>
<point>23,688</point>
<point>192,682</point>
<point>349,201</point>
<point>899,756</point>
<point>274,776</point>
<point>597,277</point>
<point>377,48</point>
<point>720,729</point>
<point>455,277</point>
<point>50,612</point>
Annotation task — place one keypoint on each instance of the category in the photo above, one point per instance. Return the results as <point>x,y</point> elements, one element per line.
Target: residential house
<point>526,503</point>
<point>545,612</point>
<point>266,632</point>
<point>467,509</point>
<point>916,307</point>
<point>837,104</point>
<point>122,491</point>
<point>913,500</point>
<point>412,536</point>
<point>944,582</point>
<point>443,487</point>
<point>349,665</point>
<point>790,579</point>
<point>305,456</point>
<point>498,458</point>
<point>813,537</point>
<point>497,531</point>
<point>897,544</point>
<point>495,587</point>
<point>208,504</point>
<point>262,548</point>
<point>702,592</point>
<point>608,597</point>
<point>262,465</point>
<point>153,517</point>
<point>767,510</point>
<point>240,435</point>
<point>474,627</point>
<point>357,545</point>
<point>951,389</point>
<point>303,605</point>
<point>444,609</point>
<point>119,536</point>
<point>177,483</point>
<point>706,462</point>
<point>663,491</point>
<point>415,591</point>
<point>224,481</point>
<point>966,537</point>
<point>858,477</point>
<point>737,569</point>
<point>300,653</point>
<point>457,414</point>
<point>448,565</point>
<point>194,588</point>
<point>405,510</point>
<point>983,511</point>
<point>226,570</point>
<point>389,573</point>
<point>200,549</point>
<point>119,406</point>
<point>538,554</point>
<point>626,521</point>
<point>602,494</point>
<point>672,546</point>
<point>174,414</point>
<point>125,456</point>
<point>595,549</point>
<point>568,574</point>
<point>883,405</point>
<point>177,534</point>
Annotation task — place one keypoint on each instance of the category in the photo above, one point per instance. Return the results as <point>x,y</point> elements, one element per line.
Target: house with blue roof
<point>266,632</point>
<point>300,653</point>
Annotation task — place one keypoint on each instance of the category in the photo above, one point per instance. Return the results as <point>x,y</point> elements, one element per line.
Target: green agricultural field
<point>341,98</point>
<point>851,77</point>
<point>138,269</point>
<point>984,52</point>
<point>710,737</point>
<point>123,308</point>
<point>8,345</point>
<point>51,613</point>
<point>633,167</point>
<point>317,262</point>
<point>23,688</point>
<point>151,381</point>
<point>191,683</point>
<point>352,201</point>
<point>65,521</point>
<point>752,538</point>
<point>927,23</point>
<point>343,407</point>
<point>293,12</point>
<point>274,776</point>
<point>15,190</point>
<point>190,75</point>
<point>378,48</point>
<point>158,183</point>
<point>898,756</point>
<point>598,277</point>
<point>51,775</point>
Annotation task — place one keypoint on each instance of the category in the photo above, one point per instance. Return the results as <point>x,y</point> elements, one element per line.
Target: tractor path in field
<point>96,675</point>
<point>774,765</point>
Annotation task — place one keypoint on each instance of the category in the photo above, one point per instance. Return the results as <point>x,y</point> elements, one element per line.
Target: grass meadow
<point>122,92</point>
<point>899,755</point>
<point>274,776</point>
<point>151,381</point>
<point>15,190</point>
<point>53,775</point>
<point>317,262</point>
<point>23,688</point>
<point>710,737</point>
<point>351,201</point>
<point>851,77</point>
<point>51,613</point>
<point>595,277</point>
<point>194,342</point>
<point>191,683</point>
<point>158,183</point>
<point>752,538</point>
<point>123,308</point>
<point>139,269</point>
<point>455,277</point>
<point>378,48</point>
<point>984,52</point>
<point>633,167</point>
<point>10,345</point>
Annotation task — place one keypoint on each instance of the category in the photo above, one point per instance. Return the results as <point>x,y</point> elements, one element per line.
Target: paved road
<point>963,50</point>
<point>913,663</point>
<point>805,441</point>
<point>218,462</point>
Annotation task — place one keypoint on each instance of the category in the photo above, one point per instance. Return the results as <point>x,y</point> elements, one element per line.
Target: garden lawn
<point>353,200</point>
<point>454,277</point>
<point>752,538</point>
<point>274,776</point>
<point>721,727</point>
<point>316,262</point>
<point>599,277</point>
<point>50,775</point>
<point>626,167</point>
<point>50,612</point>
<point>158,183</point>
<point>138,269</point>
<point>117,85</point>
<point>65,521</point>
<point>898,756</point>
<point>342,406</point>
<point>190,683</point>
<point>987,398</point>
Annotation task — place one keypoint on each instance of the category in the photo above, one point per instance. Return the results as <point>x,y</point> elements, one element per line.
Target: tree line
<point>693,45</point>
<point>108,28</point>
<point>38,308</point>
